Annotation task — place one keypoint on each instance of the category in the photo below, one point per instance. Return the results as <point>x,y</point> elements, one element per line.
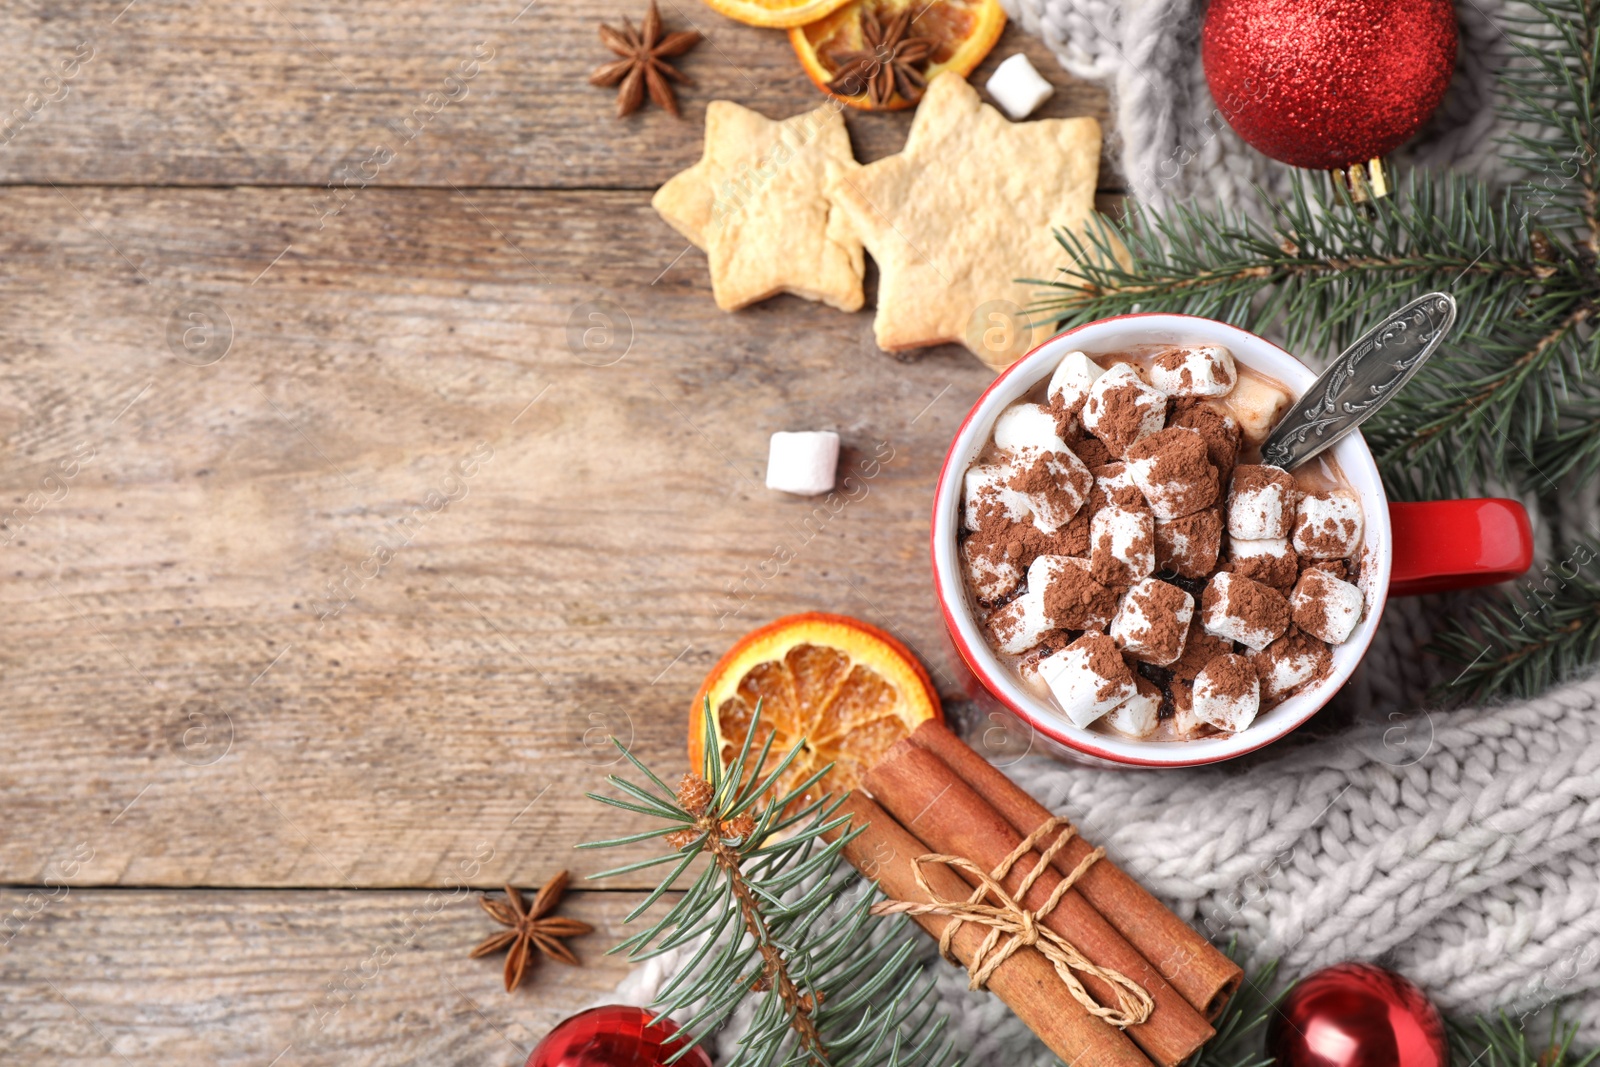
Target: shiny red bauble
<point>1328,83</point>
<point>614,1036</point>
<point>1357,1015</point>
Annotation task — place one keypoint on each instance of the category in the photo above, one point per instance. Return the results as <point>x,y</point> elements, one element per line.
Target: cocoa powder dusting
<point>1189,546</point>
<point>1075,601</point>
<point>1161,604</point>
<point>1219,431</point>
<point>1123,496</point>
<point>1093,452</point>
<point>1258,606</point>
<point>1201,648</point>
<point>1106,661</point>
<point>1279,571</point>
<point>1232,676</point>
<point>1182,464</point>
<point>1120,413</point>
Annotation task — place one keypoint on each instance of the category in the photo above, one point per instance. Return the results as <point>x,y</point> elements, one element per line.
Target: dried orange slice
<point>847,689</point>
<point>775,13</point>
<point>962,33</point>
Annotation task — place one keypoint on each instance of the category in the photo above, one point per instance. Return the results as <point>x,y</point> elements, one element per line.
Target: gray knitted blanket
<point>1462,847</point>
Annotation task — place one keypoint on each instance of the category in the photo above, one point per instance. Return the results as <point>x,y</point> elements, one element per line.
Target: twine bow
<point>1134,1004</point>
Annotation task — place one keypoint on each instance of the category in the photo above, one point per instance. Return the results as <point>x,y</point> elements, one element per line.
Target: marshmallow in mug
<point>1194,370</point>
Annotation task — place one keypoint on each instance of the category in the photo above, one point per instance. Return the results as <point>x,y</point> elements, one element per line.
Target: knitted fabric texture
<point>1461,848</point>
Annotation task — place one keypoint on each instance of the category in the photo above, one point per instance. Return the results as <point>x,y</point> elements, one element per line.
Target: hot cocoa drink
<point>1130,557</point>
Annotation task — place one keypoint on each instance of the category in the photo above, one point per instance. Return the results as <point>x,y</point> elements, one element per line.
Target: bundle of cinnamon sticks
<point>934,794</point>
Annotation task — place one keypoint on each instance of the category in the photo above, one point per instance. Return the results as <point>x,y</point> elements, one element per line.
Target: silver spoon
<point>1363,379</point>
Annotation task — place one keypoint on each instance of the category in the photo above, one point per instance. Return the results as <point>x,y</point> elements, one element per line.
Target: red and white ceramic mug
<point>1410,548</point>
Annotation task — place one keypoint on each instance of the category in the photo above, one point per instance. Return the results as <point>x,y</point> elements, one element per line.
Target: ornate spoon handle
<point>1361,380</point>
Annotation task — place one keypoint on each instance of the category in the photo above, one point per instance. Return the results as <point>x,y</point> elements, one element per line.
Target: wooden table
<point>278,289</point>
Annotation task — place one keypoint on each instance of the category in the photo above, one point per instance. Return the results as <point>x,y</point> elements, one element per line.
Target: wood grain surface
<point>348,509</point>
<point>303,92</point>
<point>293,979</point>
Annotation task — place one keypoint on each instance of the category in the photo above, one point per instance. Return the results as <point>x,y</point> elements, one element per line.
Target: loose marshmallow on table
<point>1088,678</point>
<point>1070,383</point>
<point>985,489</point>
<point>1017,87</point>
<point>1269,561</point>
<point>1073,600</point>
<point>1153,621</point>
<point>1121,408</point>
<point>1328,526</point>
<point>1242,610</point>
<point>1326,607</point>
<point>1122,545</point>
<point>1194,370</point>
<point>1261,502</point>
<point>1289,662</point>
<point>1227,693</point>
<point>1171,470</point>
<point>1140,714</point>
<point>803,463</point>
<point>1021,624</point>
<point>991,574</point>
<point>1189,546</point>
<point>1257,405</point>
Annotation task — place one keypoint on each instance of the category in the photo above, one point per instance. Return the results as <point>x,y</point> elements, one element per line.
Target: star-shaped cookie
<point>966,208</point>
<point>756,204</point>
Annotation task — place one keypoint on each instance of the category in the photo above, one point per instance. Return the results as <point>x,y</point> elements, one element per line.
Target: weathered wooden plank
<point>305,978</point>
<point>366,596</point>
<point>303,92</point>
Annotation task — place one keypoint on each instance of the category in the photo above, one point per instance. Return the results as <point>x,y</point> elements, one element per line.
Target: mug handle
<point>1456,544</point>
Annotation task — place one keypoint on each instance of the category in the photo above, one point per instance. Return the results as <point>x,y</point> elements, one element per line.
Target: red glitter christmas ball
<point>1328,83</point>
<point>614,1036</point>
<point>1357,1015</point>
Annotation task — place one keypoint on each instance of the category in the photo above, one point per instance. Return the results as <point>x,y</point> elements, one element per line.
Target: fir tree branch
<point>775,921</point>
<point>1522,644</point>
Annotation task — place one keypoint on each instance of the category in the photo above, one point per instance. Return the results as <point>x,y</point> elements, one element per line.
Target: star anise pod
<point>643,66</point>
<point>888,62</point>
<point>532,927</point>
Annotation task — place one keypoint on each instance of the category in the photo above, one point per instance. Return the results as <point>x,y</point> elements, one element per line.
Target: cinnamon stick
<point>935,805</point>
<point>1026,982</point>
<point>1195,967</point>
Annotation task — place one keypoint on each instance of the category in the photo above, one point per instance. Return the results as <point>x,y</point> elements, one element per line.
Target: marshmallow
<point>991,575</point>
<point>1242,610</point>
<point>985,489</point>
<point>1326,607</point>
<point>1153,621</point>
<point>1189,546</point>
<point>1186,726</point>
<point>1194,370</point>
<point>1017,87</point>
<point>1227,693</point>
<point>1088,678</point>
<point>1258,405</point>
<point>1288,663</point>
<point>1140,714</point>
<point>1021,624</point>
<point>1122,545</point>
<point>1171,469</point>
<point>1112,485</point>
<point>1055,485</point>
<point>1069,385</point>
<point>1328,525</point>
<point>1261,502</point>
<point>1024,426</point>
<point>1269,561</point>
<point>1219,429</point>
<point>1121,408</point>
<point>1073,600</point>
<point>803,463</point>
